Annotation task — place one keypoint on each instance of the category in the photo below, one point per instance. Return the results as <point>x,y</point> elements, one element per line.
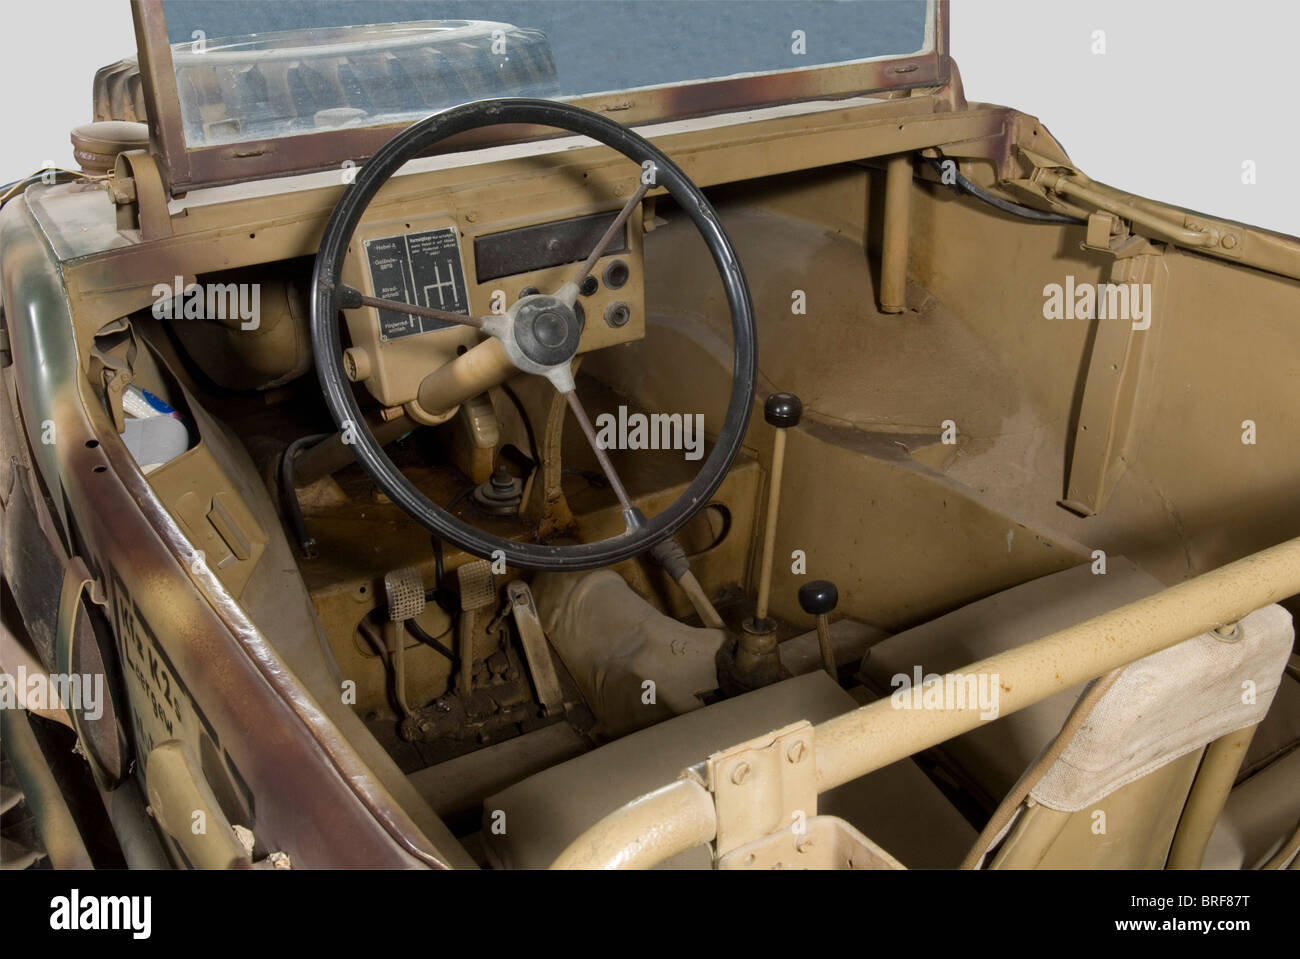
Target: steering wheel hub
<point>546,330</point>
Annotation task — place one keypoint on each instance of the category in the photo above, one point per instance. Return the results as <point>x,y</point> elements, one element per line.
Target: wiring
<point>11,190</point>
<point>418,632</point>
<point>594,479</point>
<point>456,500</point>
<point>289,495</point>
<point>1006,206</point>
<point>533,448</point>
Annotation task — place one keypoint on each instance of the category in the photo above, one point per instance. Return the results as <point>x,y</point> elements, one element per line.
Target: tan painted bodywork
<point>924,309</point>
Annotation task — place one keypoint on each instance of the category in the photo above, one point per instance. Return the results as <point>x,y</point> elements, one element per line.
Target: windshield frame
<point>185,168</point>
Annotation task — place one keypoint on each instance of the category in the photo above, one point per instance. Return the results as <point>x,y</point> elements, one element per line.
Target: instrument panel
<point>456,260</point>
<point>423,269</point>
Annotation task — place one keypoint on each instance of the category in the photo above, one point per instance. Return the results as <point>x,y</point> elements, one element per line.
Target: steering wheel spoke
<point>353,299</point>
<point>630,512</point>
<point>603,243</point>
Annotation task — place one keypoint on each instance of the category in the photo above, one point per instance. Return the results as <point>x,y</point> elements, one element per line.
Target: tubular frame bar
<point>676,817</point>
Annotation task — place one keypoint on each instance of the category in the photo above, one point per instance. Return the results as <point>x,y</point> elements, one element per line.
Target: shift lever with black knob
<point>819,598</point>
<point>782,411</point>
<point>756,661</point>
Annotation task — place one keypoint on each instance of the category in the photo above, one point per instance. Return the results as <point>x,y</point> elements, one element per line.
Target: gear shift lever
<point>819,598</point>
<point>782,410</point>
<point>756,662</point>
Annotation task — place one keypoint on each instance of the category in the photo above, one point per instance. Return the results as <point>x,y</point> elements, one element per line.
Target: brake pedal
<point>477,591</point>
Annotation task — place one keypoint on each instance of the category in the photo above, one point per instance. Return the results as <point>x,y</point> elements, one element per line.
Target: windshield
<point>253,71</point>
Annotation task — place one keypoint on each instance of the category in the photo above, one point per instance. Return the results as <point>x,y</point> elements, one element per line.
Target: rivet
<point>1229,632</point>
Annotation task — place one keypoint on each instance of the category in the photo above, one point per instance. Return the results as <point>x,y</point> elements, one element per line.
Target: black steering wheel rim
<point>343,406</point>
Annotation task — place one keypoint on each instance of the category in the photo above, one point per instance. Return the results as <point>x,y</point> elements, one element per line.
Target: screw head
<point>740,773</point>
<point>798,749</point>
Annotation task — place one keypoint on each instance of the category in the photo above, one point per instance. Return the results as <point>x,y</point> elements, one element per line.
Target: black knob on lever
<point>783,410</point>
<point>819,597</point>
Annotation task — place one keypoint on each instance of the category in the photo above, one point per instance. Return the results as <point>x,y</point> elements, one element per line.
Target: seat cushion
<point>898,807</point>
<point>1279,733</point>
<point>1169,704</point>
<point>1259,816</point>
<point>995,755</point>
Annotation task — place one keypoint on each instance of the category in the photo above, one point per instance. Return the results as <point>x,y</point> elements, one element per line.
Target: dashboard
<point>462,261</point>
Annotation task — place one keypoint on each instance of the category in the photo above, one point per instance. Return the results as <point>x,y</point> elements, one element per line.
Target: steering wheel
<point>539,333</point>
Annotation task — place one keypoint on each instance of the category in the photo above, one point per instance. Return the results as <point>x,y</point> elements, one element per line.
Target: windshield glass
<point>251,71</point>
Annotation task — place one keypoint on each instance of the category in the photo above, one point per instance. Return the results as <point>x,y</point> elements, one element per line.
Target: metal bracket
<point>139,195</point>
<point>822,842</point>
<point>1109,404</point>
<point>763,785</point>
